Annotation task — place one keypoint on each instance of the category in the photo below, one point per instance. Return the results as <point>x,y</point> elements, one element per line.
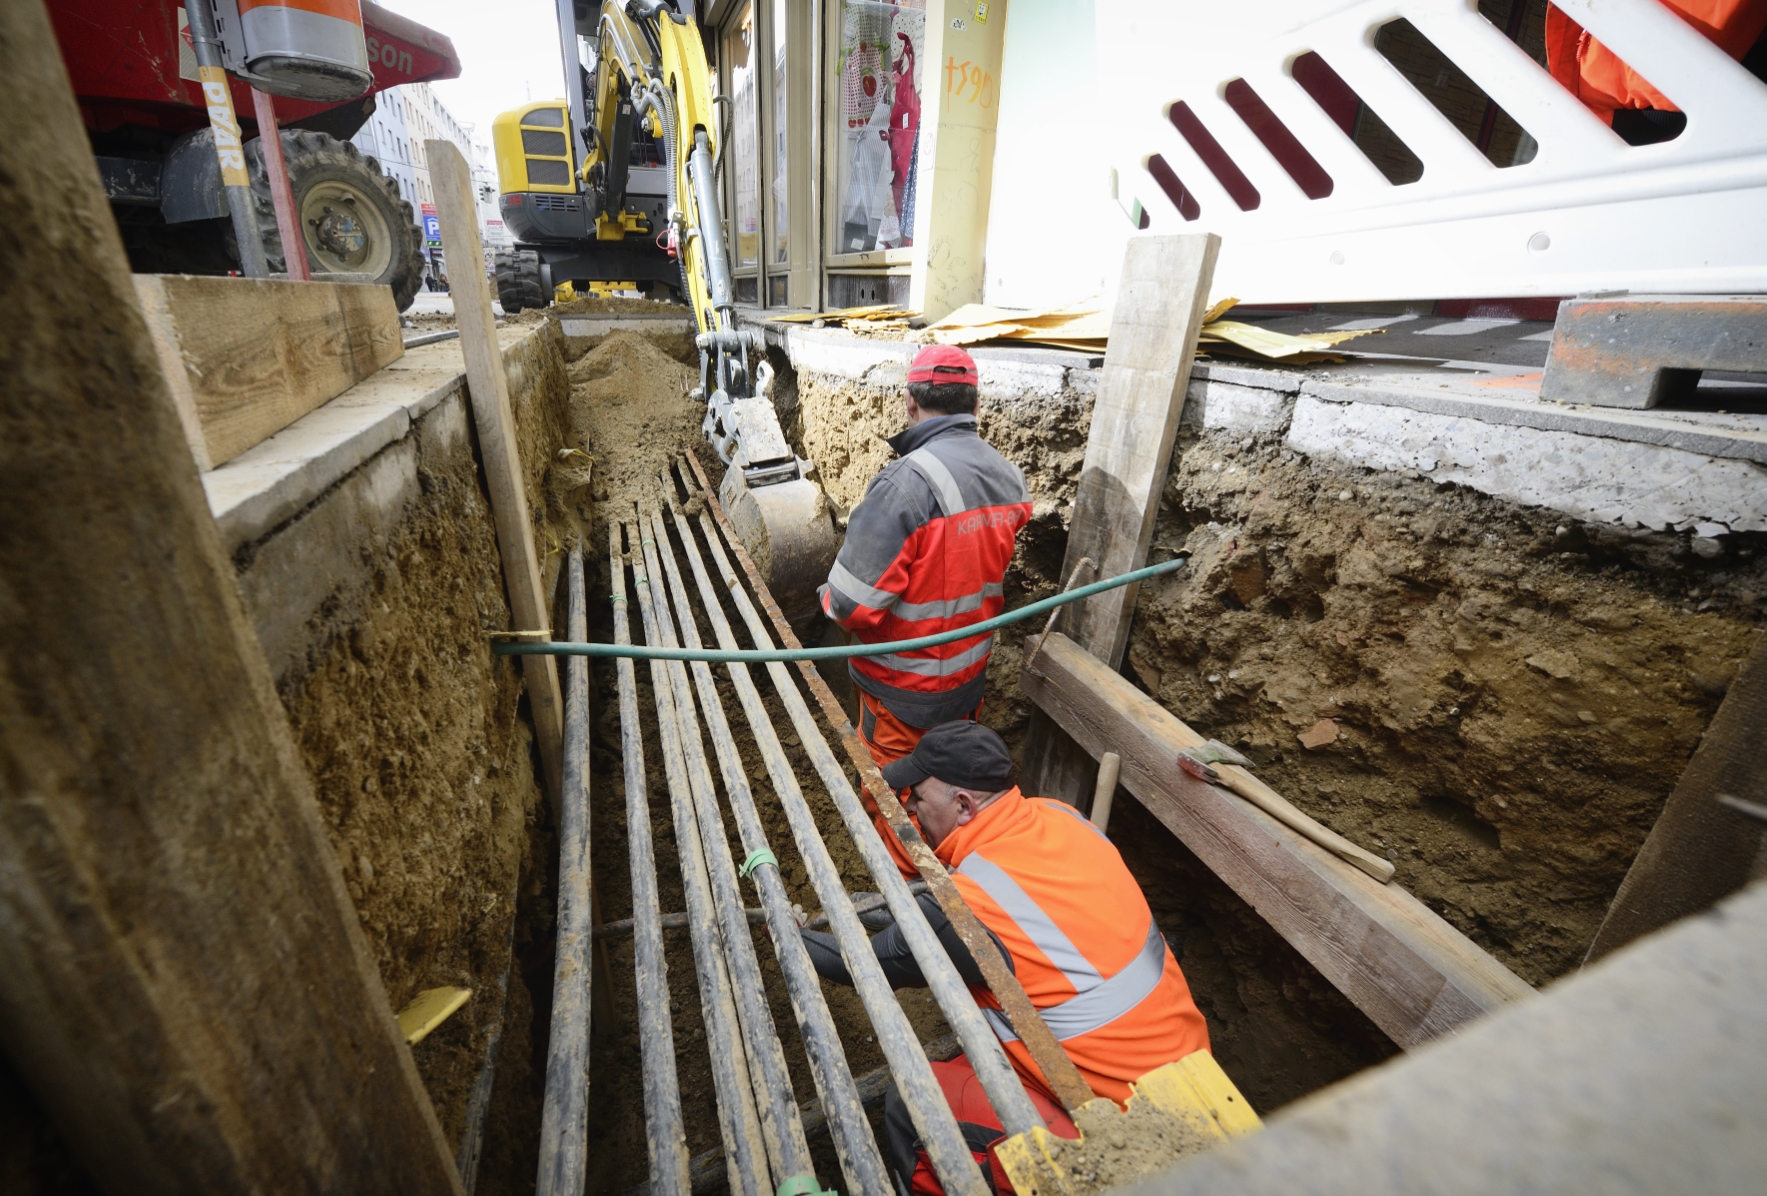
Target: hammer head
<point>1199,761</point>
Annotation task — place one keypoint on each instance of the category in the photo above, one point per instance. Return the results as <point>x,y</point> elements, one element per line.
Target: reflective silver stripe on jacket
<point>1097,1001</point>
<point>848,583</point>
<point>930,666</point>
<point>914,612</point>
<point>939,478</point>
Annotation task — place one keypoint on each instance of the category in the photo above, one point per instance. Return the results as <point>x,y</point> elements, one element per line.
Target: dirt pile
<point>630,412</point>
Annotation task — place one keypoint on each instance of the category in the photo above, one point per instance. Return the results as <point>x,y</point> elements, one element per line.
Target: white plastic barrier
<point>1589,212</point>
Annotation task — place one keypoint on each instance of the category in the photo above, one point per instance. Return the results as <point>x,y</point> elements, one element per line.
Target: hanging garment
<point>1597,76</point>
<point>904,130</point>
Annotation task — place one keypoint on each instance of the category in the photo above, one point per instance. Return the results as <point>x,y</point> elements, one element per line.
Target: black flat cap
<point>959,753</point>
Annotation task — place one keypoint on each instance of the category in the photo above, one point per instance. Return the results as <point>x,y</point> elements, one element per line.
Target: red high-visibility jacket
<point>1598,77</point>
<point>1082,941</point>
<point>926,552</point>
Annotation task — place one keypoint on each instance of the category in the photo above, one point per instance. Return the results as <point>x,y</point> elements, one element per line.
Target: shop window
<point>1360,123</point>
<point>1224,168</point>
<point>878,74</point>
<point>1283,145</point>
<point>743,158</point>
<point>778,186</point>
<point>1439,79</point>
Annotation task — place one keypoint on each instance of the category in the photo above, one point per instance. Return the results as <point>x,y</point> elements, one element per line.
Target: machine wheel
<point>353,219</point>
<point>519,285</point>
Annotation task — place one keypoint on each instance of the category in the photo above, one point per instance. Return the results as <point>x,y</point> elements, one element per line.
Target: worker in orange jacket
<point>1069,919</point>
<point>1622,97</point>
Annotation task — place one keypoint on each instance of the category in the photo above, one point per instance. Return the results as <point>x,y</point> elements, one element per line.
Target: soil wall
<point>374,604</point>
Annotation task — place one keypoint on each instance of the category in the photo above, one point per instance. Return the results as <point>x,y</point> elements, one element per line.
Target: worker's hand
<point>873,913</point>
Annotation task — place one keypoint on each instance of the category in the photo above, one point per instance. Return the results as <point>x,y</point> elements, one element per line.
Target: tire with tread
<point>313,158</point>
<point>518,280</point>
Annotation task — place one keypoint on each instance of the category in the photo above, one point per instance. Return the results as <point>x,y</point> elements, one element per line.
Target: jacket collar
<point>996,818</point>
<point>907,441</point>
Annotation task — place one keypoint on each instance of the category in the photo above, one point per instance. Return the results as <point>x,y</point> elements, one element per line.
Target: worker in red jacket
<point>926,552</point>
<point>1069,919</point>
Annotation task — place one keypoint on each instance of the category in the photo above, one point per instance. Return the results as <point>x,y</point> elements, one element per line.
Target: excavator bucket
<point>789,531</point>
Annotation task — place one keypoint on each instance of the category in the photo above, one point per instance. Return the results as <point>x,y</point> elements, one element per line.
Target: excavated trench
<point>1512,695</point>
<point>1499,699</point>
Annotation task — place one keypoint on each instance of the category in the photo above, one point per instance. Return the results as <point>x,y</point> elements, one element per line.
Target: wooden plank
<point>1414,975</point>
<point>488,387</point>
<point>1700,851</point>
<point>246,357</point>
<point>183,980</point>
<point>1161,297</point>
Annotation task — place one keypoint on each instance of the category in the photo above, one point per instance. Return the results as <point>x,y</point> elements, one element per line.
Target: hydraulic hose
<point>845,652</point>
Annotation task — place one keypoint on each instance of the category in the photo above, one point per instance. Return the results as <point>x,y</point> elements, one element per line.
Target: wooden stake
<point>488,386</point>
<point>183,980</point>
<point>1160,302</point>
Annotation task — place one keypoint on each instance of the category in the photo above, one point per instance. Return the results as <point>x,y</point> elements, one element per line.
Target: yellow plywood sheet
<point>429,1009</point>
<point>1085,326</point>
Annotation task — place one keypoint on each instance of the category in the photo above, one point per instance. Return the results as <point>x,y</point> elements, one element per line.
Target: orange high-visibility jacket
<point>1082,939</point>
<point>1596,75</point>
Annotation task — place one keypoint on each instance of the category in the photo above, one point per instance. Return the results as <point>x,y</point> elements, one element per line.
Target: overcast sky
<point>508,54</point>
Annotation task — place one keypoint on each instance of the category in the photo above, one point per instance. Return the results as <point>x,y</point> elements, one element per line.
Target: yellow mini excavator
<point>619,181</point>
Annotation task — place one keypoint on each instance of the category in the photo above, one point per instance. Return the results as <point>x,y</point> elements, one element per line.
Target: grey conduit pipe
<point>861,1163</point>
<point>783,1133</point>
<point>739,1121</point>
<point>1005,1091</point>
<point>564,1119</point>
<point>920,1091</point>
<point>666,1138</point>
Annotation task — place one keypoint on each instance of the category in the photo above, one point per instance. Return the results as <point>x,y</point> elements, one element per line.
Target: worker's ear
<point>967,804</point>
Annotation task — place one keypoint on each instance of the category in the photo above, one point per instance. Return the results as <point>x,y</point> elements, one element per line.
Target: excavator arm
<point>651,62</point>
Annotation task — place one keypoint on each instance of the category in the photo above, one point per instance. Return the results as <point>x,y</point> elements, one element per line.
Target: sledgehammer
<point>1200,763</point>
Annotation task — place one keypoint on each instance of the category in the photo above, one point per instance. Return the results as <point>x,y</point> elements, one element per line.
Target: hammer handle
<point>1279,808</point>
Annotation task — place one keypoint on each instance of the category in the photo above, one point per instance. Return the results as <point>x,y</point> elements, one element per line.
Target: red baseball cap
<point>944,363</point>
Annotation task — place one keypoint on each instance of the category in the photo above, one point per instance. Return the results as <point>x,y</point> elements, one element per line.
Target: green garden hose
<point>845,652</point>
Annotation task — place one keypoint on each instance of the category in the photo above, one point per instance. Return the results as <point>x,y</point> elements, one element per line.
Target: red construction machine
<point>134,68</point>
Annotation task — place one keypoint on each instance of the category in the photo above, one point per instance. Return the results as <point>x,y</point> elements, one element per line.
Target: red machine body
<point>132,65</point>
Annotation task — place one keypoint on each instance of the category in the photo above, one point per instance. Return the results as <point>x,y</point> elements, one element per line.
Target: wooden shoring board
<point>1414,975</point>
<point>247,357</point>
<point>184,983</point>
<point>487,386</point>
<point>1161,297</point>
<point>1700,851</point>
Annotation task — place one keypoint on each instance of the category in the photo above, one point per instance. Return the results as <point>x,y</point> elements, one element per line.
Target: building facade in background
<point>404,118</point>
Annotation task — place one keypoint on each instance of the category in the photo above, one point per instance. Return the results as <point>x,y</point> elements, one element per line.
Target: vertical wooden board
<point>1161,297</point>
<point>1160,301</point>
<point>183,980</point>
<point>488,389</point>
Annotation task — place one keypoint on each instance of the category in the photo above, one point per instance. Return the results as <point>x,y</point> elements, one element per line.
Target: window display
<point>878,73</point>
<point>745,156</point>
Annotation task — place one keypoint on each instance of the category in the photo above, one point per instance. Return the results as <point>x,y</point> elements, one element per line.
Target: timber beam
<point>1413,974</point>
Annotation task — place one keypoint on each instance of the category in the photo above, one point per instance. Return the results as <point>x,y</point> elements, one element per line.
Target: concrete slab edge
<point>1634,426</point>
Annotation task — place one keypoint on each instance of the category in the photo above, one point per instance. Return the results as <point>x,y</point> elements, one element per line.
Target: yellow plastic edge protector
<point>1194,1089</point>
<point>429,1009</point>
